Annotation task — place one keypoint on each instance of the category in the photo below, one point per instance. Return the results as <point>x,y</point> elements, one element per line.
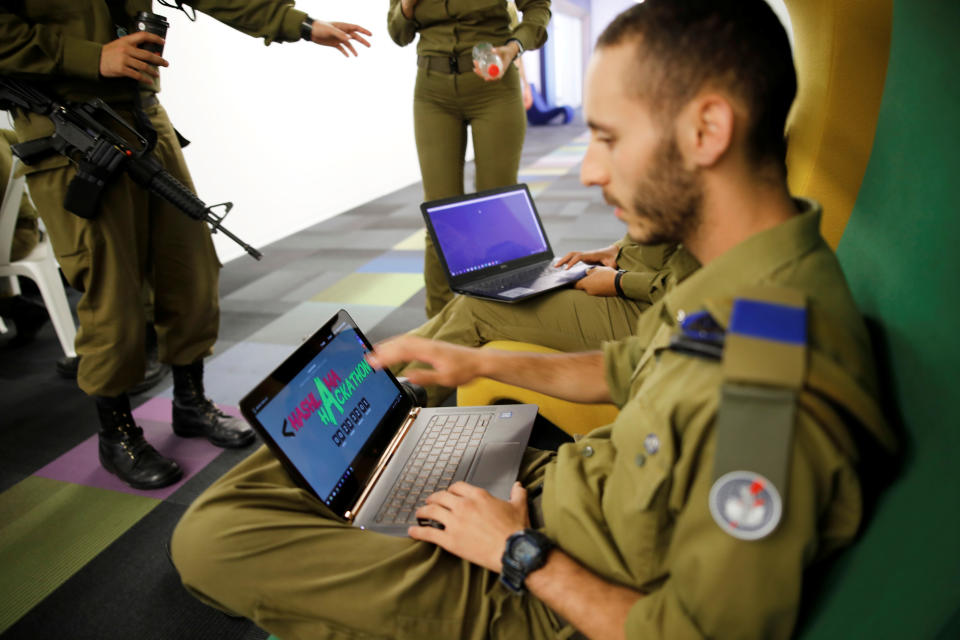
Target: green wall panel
<point>900,252</point>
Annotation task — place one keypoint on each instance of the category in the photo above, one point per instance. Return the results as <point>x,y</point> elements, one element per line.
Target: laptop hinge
<point>382,464</point>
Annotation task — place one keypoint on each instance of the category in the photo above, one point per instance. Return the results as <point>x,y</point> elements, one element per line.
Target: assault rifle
<point>101,144</point>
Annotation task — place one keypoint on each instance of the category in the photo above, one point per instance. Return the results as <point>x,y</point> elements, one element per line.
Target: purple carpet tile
<point>81,465</point>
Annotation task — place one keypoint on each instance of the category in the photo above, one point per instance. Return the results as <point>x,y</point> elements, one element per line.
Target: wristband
<point>616,283</point>
<point>306,28</point>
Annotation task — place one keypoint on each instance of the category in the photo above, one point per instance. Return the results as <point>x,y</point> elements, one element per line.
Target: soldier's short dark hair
<point>739,45</point>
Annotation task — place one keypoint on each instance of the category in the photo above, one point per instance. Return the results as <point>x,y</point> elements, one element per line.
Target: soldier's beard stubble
<point>668,198</point>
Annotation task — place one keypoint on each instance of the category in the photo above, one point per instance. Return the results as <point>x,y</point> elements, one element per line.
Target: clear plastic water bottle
<point>488,61</point>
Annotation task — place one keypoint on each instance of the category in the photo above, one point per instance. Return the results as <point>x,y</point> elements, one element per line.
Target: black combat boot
<point>195,415</point>
<point>125,453</point>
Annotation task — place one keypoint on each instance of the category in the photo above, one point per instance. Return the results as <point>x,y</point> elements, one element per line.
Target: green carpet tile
<point>49,530</point>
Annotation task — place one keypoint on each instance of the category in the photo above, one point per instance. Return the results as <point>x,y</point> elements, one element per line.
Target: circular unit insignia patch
<point>745,504</point>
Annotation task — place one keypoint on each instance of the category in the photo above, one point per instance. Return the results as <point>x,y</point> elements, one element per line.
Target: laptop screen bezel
<point>366,459</point>
<point>473,276</point>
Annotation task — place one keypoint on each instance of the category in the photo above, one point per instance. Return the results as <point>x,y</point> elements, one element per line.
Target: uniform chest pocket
<point>645,459</point>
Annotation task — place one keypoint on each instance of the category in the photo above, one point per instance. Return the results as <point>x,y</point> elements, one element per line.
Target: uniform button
<point>651,443</point>
<point>640,459</point>
<point>587,451</point>
<point>681,316</point>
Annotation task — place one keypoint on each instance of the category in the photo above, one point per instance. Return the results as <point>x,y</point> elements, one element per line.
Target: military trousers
<point>256,545</point>
<point>566,320</point>
<point>136,239</point>
<point>444,104</point>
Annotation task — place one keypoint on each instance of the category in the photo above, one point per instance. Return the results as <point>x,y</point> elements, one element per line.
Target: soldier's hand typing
<point>599,281</point>
<point>476,525</point>
<point>606,256</point>
<point>122,58</point>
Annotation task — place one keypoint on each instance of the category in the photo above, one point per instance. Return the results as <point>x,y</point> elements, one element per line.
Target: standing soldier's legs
<point>185,274</point>
<point>441,136</point>
<point>499,124</point>
<point>105,258</point>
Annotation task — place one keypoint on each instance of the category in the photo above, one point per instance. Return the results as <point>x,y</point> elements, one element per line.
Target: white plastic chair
<point>39,265</point>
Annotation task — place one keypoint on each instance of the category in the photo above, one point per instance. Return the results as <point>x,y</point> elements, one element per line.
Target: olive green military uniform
<point>634,513</point>
<point>136,237</point>
<point>449,97</point>
<point>567,319</point>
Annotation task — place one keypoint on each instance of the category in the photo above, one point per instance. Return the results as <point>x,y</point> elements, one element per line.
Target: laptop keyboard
<point>447,441</point>
<point>513,279</point>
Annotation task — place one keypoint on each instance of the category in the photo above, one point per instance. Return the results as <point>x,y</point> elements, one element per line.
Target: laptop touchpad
<point>495,468</point>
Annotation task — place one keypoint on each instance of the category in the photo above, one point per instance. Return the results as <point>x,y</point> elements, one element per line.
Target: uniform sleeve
<point>619,359</point>
<point>272,20</point>
<point>642,286</point>
<point>401,30</point>
<point>45,49</point>
<point>720,586</point>
<point>532,31</point>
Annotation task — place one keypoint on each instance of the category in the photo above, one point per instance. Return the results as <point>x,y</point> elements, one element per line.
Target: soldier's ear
<point>705,130</point>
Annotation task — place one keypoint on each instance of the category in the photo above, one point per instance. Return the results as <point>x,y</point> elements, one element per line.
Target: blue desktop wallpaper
<point>487,231</point>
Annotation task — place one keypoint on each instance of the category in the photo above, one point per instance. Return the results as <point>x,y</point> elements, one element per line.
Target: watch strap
<point>306,28</point>
<point>513,571</point>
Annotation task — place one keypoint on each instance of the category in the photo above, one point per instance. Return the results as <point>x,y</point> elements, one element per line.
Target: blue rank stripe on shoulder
<point>766,342</point>
<point>769,321</point>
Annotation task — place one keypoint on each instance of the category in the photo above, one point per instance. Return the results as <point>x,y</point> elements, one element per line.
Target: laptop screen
<point>487,230</point>
<point>329,413</point>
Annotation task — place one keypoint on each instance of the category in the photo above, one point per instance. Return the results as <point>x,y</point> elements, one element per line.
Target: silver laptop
<point>349,435</point>
<point>492,245</point>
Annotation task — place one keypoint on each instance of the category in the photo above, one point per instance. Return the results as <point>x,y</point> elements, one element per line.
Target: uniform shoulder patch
<point>745,504</point>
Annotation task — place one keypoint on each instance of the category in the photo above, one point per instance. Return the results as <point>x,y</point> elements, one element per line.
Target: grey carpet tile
<point>597,226</point>
<point>308,286</point>
<point>341,222</point>
<point>382,206</point>
<point>237,327</point>
<point>365,238</point>
<point>245,306</point>
<point>397,322</point>
<point>242,270</point>
<point>335,259</point>
<point>270,286</point>
<point>417,301</point>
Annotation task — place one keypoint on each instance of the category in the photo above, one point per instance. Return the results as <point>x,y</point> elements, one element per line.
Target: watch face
<point>525,551</point>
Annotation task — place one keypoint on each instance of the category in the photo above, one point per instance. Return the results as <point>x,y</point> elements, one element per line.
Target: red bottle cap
<point>493,71</point>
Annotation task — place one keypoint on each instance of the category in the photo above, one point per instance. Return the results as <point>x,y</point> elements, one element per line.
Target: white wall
<point>292,133</point>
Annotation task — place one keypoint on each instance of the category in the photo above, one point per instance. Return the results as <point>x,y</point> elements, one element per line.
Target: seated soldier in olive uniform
<point>733,464</point>
<point>604,305</point>
<point>93,50</point>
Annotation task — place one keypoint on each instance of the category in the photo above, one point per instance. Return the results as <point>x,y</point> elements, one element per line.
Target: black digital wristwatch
<point>526,551</point>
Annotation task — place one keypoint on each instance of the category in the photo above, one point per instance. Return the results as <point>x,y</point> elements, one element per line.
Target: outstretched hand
<point>122,58</point>
<point>476,525</point>
<point>338,35</point>
<point>453,365</point>
<point>606,257</point>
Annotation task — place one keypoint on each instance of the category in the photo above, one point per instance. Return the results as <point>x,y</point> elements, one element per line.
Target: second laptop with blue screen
<point>350,436</point>
<point>492,245</point>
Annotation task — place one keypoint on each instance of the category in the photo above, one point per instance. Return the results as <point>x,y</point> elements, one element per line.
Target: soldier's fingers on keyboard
<point>445,499</point>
